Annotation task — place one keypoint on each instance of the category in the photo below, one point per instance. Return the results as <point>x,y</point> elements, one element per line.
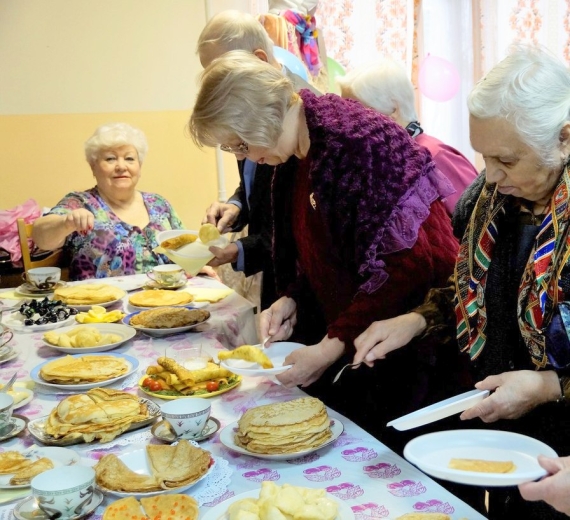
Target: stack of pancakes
<point>71,370</point>
<point>88,294</point>
<point>287,427</point>
<point>171,467</point>
<point>160,298</point>
<point>101,413</point>
<point>169,317</point>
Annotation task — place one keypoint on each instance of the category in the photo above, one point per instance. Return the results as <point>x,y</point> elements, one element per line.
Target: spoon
<point>337,377</point>
<point>9,384</point>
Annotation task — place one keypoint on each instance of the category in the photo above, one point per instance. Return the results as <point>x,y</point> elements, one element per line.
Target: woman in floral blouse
<point>109,230</point>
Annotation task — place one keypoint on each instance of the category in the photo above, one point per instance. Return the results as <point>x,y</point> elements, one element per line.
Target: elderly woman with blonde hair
<point>385,87</point>
<point>360,229</point>
<point>111,229</point>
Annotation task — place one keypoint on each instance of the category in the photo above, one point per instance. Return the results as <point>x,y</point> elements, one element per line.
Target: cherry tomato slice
<point>154,386</point>
<point>147,382</point>
<point>212,386</point>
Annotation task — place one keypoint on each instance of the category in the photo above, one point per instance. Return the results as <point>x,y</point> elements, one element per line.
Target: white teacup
<point>6,407</point>
<point>167,275</point>
<point>43,277</point>
<point>188,417</point>
<point>64,492</point>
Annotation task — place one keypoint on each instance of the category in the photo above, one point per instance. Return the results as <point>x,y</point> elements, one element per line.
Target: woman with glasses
<point>360,230</point>
<point>110,229</point>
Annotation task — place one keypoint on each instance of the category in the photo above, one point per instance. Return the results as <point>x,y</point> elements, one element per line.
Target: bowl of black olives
<point>37,315</point>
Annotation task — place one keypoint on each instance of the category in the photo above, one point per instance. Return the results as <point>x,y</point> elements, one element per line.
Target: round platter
<point>126,333</point>
<point>132,364</point>
<point>160,332</point>
<point>227,439</point>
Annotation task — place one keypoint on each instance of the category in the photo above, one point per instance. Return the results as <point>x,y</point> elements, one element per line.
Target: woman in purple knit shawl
<point>360,231</point>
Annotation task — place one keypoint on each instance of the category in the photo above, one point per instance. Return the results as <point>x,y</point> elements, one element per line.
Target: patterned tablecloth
<point>357,469</point>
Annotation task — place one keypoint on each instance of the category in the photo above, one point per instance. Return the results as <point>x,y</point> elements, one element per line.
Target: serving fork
<point>9,384</point>
<point>337,377</point>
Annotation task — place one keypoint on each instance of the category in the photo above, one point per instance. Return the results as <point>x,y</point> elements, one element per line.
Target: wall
<point>68,66</point>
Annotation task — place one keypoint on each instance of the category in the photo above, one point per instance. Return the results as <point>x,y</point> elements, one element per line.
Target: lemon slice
<point>208,233</point>
<point>97,309</point>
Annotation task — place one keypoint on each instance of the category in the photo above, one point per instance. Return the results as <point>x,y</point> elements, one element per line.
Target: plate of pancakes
<point>164,321</point>
<point>153,298</point>
<point>282,431</point>
<point>84,371</point>
<point>83,296</point>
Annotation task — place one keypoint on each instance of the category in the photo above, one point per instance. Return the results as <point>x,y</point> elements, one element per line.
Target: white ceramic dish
<point>432,453</point>
<point>15,323</point>
<point>160,332</point>
<point>28,508</point>
<point>137,461</point>
<point>219,512</point>
<point>27,289</point>
<point>10,355</point>
<point>20,388</point>
<point>59,457</point>
<point>277,352</point>
<point>132,364</point>
<point>125,332</point>
<point>440,410</point>
<point>165,433</point>
<point>227,439</point>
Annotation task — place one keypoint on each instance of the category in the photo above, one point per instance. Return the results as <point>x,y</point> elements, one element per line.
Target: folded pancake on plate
<point>247,353</point>
<point>160,298</point>
<point>178,465</point>
<point>169,318</point>
<point>175,506</point>
<point>88,294</point>
<point>111,473</point>
<point>12,461</point>
<point>482,466</point>
<point>71,370</point>
<point>179,241</point>
<point>286,427</point>
<point>101,413</point>
<point>24,476</point>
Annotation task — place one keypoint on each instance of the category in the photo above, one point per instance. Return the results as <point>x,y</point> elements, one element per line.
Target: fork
<point>9,384</point>
<point>337,377</point>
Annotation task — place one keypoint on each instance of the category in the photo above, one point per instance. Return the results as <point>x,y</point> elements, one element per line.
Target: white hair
<point>113,135</point>
<point>383,86</point>
<point>530,88</point>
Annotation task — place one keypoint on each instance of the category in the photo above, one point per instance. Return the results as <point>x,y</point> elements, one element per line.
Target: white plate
<point>219,512</point>
<point>432,453</point>
<point>103,304</point>
<point>160,332</point>
<point>137,461</point>
<point>277,352</point>
<point>59,457</point>
<point>189,305</point>
<point>125,332</point>
<point>12,355</point>
<point>27,289</point>
<point>440,410</point>
<point>22,389</point>
<point>227,439</point>
<point>15,323</point>
<point>132,364</point>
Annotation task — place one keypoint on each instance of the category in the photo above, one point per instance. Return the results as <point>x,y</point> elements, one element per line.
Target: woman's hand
<point>279,320</point>
<point>225,255</point>
<point>554,489</point>
<point>310,362</point>
<point>384,336</point>
<point>222,215</point>
<point>80,220</point>
<point>514,394</point>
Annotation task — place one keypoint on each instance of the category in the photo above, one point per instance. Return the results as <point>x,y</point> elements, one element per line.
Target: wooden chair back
<point>25,232</point>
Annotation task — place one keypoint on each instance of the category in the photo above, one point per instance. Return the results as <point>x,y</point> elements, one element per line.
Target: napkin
<point>205,294</point>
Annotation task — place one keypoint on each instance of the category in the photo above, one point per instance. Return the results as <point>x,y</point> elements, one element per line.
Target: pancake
<point>12,461</point>
<point>160,298</point>
<point>25,476</point>
<point>88,294</point>
<point>179,241</point>
<point>482,466</point>
<point>84,369</point>
<point>125,508</point>
<point>112,473</point>
<point>169,317</point>
<point>175,507</point>
<point>247,353</point>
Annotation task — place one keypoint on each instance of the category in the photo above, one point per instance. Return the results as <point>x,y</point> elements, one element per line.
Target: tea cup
<point>64,492</point>
<point>43,278</point>
<point>6,408</point>
<point>188,417</point>
<point>167,275</point>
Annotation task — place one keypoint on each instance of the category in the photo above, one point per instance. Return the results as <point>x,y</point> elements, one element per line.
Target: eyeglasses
<point>240,149</point>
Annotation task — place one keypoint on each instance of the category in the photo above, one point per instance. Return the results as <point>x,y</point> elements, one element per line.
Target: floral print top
<point>113,247</point>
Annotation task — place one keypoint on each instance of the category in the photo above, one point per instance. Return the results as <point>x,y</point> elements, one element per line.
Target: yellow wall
<point>68,66</point>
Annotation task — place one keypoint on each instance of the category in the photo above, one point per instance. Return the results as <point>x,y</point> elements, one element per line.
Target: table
<point>359,470</point>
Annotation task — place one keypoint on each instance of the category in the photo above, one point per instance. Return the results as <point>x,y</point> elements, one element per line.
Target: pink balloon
<point>438,79</point>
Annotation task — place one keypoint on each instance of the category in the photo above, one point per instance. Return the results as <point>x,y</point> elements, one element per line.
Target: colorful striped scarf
<point>539,290</point>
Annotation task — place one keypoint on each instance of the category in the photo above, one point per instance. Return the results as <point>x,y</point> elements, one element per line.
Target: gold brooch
<point>313,201</point>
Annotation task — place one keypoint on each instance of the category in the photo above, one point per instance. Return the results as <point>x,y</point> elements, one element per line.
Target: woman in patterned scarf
<point>513,269</point>
<point>109,230</point>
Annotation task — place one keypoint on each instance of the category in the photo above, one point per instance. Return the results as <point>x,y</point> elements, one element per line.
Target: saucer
<point>9,357</point>
<point>16,425</point>
<point>27,289</point>
<point>164,432</point>
<point>152,284</point>
<point>28,508</point>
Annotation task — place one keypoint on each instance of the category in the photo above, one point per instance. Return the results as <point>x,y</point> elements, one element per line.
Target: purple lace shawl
<point>373,184</point>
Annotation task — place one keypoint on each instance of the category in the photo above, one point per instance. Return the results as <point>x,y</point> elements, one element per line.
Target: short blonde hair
<point>241,97</point>
<point>113,135</point>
